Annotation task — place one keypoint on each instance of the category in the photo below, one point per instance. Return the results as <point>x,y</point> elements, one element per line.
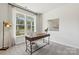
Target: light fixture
<point>6,24</point>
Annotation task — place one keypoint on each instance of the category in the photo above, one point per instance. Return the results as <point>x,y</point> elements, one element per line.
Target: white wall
<point>68,33</point>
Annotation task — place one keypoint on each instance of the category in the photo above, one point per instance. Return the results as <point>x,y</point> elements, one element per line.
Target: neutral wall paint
<point>68,33</point>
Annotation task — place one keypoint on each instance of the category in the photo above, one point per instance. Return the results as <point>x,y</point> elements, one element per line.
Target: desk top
<point>36,35</point>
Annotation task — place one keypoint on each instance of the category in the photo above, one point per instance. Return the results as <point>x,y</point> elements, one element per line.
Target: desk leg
<point>26,45</point>
<point>48,39</point>
<point>30,47</point>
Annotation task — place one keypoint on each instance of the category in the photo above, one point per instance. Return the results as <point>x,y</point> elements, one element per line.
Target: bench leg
<point>48,39</point>
<point>30,47</point>
<point>26,45</point>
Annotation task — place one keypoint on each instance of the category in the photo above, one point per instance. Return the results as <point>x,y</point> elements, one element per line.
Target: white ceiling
<point>41,7</point>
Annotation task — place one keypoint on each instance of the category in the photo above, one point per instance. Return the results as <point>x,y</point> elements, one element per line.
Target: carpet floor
<point>51,49</point>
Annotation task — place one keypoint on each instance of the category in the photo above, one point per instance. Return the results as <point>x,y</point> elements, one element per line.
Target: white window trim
<point>24,23</point>
<point>34,22</point>
<point>14,11</point>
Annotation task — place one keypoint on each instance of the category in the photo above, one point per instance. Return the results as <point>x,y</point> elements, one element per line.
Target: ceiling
<point>41,7</point>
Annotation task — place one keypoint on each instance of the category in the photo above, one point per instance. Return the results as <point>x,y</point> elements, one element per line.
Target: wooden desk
<point>34,37</point>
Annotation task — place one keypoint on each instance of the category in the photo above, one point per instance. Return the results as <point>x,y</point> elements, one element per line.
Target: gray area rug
<point>51,49</point>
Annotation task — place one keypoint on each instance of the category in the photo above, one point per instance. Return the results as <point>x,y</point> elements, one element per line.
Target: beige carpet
<point>52,49</point>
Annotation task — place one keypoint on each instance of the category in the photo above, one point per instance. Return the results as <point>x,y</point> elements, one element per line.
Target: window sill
<point>20,36</point>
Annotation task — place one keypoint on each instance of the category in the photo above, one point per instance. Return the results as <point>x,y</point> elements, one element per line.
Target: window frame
<point>17,12</point>
<point>30,21</point>
<point>25,19</point>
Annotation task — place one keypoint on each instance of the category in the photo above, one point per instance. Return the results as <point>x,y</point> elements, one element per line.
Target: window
<point>30,23</point>
<point>24,24</point>
<point>20,25</point>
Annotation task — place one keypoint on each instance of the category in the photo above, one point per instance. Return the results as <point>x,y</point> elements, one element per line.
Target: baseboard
<point>20,43</point>
<point>65,44</point>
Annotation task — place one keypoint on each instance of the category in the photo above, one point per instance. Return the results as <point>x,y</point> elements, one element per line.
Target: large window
<point>30,23</point>
<point>20,24</point>
<point>24,24</point>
